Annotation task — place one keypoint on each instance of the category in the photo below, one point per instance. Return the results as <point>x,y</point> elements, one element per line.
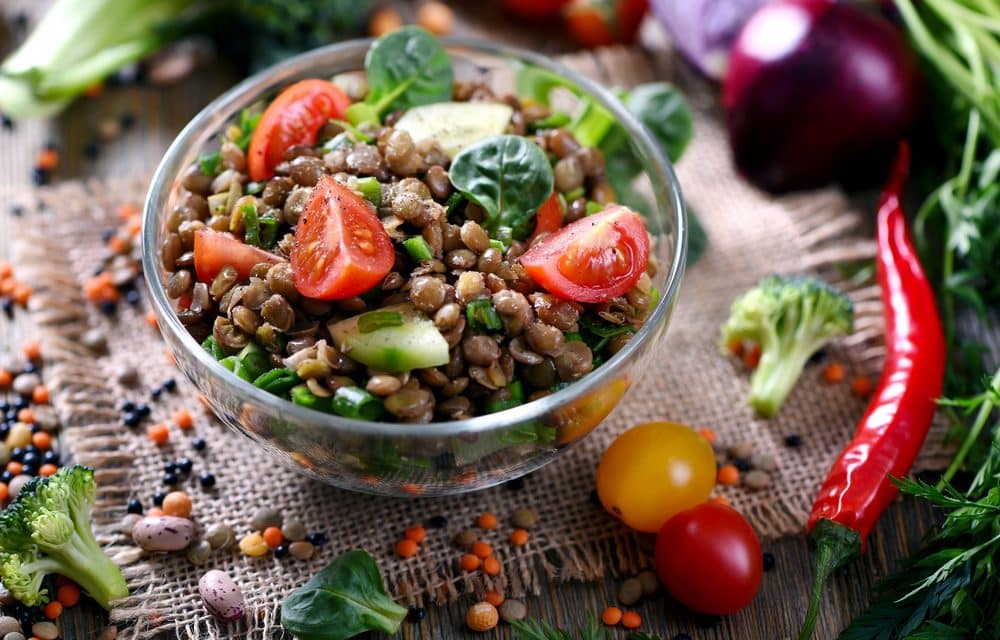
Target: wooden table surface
<point>161,112</point>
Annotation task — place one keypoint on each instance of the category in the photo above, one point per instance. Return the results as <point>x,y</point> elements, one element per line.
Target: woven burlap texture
<point>689,381</point>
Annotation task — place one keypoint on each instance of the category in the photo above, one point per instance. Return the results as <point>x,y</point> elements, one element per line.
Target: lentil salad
<point>365,250</point>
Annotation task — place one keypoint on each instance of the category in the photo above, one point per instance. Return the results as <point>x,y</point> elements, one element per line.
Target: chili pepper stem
<point>836,545</point>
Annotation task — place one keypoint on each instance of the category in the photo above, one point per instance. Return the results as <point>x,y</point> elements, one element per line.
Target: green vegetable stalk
<point>46,530</point>
<point>790,318</point>
<point>344,599</point>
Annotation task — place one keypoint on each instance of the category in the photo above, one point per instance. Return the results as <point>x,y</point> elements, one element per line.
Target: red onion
<point>817,91</point>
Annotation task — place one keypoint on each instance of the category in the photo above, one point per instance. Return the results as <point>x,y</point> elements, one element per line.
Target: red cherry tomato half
<point>537,10</point>
<point>593,259</point>
<point>600,23</point>
<point>548,219</point>
<point>341,249</point>
<point>215,249</point>
<point>709,558</point>
<point>294,117</point>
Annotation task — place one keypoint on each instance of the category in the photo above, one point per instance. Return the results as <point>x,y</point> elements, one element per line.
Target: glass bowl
<point>417,459</point>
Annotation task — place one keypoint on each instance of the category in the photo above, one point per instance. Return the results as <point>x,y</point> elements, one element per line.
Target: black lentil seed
<point>22,403</point>
<point>131,419</point>
<point>128,405</point>
<point>6,477</point>
<point>415,614</point>
<point>793,440</point>
<point>184,465</point>
<point>35,428</point>
<point>4,406</point>
<point>8,307</point>
<point>127,119</point>
<point>134,506</point>
<point>29,470</point>
<point>6,122</point>
<point>143,409</point>
<point>4,430</point>
<point>17,454</point>
<point>437,522</point>
<point>133,297</point>
<point>317,539</point>
<point>170,384</point>
<point>156,392</point>
<point>199,444</point>
<point>91,150</point>
<point>594,498</point>
<point>768,560</point>
<point>817,357</point>
<point>30,458</point>
<point>108,307</point>
<point>158,498</point>
<point>16,210</point>
<point>207,480</point>
<point>50,457</point>
<point>281,551</point>
<point>707,621</point>
<point>11,416</point>
<point>39,176</point>
<point>170,467</point>
<point>170,479</point>
<point>30,448</point>
<point>741,464</point>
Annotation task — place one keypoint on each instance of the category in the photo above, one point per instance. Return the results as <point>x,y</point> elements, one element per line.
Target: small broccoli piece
<point>790,318</point>
<point>47,530</point>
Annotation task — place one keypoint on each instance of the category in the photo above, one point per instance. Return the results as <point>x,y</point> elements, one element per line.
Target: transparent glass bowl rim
<point>659,169</point>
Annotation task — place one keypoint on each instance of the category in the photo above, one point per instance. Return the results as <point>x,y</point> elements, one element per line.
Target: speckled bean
<point>163,533</point>
<point>222,598</point>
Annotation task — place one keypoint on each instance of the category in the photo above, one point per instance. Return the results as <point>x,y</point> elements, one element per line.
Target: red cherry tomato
<point>593,259</point>
<point>709,558</point>
<point>548,219</point>
<point>294,117</point>
<point>341,249</point>
<point>600,23</point>
<point>214,250</point>
<point>537,10</point>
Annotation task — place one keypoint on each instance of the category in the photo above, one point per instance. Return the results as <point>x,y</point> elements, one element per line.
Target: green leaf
<point>344,599</point>
<point>406,68</point>
<point>665,112</point>
<point>508,176</point>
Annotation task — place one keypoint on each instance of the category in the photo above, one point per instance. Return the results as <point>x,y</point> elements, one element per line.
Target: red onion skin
<point>829,104</point>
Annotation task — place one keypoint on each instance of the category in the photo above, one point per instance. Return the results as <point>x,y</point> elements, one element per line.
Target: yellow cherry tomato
<point>653,471</point>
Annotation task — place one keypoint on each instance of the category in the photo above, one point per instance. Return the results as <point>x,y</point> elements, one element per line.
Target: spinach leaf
<point>665,112</point>
<point>406,68</point>
<point>508,176</point>
<point>344,599</point>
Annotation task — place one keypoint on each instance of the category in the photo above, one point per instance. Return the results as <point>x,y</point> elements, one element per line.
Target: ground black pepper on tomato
<point>889,436</point>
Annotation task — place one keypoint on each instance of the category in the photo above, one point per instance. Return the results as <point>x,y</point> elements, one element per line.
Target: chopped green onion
<point>573,336</point>
<point>252,224</point>
<point>654,298</point>
<point>574,194</point>
<point>599,332</point>
<point>211,345</point>
<point>453,202</point>
<point>505,235</point>
<point>234,364</point>
<point>361,112</point>
<point>255,359</point>
<point>302,396</point>
<point>268,230</point>
<point>593,207</point>
<point>516,399</point>
<point>253,188</point>
<point>210,163</point>
<point>370,189</point>
<point>528,433</point>
<point>554,121</point>
<point>277,381</point>
<point>418,248</point>
<point>482,316</point>
<point>496,244</point>
<point>352,131</point>
<point>355,402</point>
<point>248,122</point>
<point>376,320</point>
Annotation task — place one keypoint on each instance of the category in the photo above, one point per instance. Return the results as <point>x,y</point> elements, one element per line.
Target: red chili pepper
<point>889,436</point>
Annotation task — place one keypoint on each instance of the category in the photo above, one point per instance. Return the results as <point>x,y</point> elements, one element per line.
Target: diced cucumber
<point>456,125</point>
<point>416,344</point>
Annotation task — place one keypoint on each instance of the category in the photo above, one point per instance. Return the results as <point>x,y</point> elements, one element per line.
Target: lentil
<point>293,531</point>
<point>630,592</point>
<point>273,537</point>
<point>45,630</point>
<point>264,518</point>
<point>68,594</point>
<point>470,562</point>
<point>253,545</point>
<point>219,536</point>
<point>465,539</point>
<point>767,560</point>
<point>491,566</point>
<point>631,620</point>
<point>756,479</point>
<point>417,534</point>
<point>728,475</point>
<point>482,616</point>
<point>494,597</point>
<point>519,537</point>
<point>301,549</point>
<point>834,373</point>
<point>199,552</point>
<point>513,610</point>
<point>611,616</point>
<point>649,582</point>
<point>177,503</point>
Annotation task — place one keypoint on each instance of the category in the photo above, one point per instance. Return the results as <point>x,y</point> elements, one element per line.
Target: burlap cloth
<point>690,382</point>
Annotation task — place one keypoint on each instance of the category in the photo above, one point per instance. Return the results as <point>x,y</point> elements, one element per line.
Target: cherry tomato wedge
<point>341,249</point>
<point>294,117</point>
<point>709,558</point>
<point>593,259</point>
<point>601,23</point>
<point>535,9</point>
<point>215,249</point>
<point>548,219</point>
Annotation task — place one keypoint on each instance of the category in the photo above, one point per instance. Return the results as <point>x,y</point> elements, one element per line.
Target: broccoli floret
<point>790,318</point>
<point>47,530</point>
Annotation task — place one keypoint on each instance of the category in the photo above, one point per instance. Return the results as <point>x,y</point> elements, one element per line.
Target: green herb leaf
<point>344,599</point>
<point>406,68</point>
<point>665,112</point>
<point>418,249</point>
<point>482,316</point>
<point>210,163</point>
<point>533,629</point>
<point>277,381</point>
<point>252,225</point>
<point>508,176</point>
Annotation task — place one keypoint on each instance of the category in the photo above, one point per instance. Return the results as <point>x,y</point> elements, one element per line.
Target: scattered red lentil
<point>273,537</point>
<point>21,294</point>
<point>406,548</point>
<point>491,566</point>
<point>519,537</point>
<point>154,512</point>
<point>383,21</point>
<point>151,319</point>
<point>53,610</point>
<point>751,357</point>
<point>134,225</point>
<point>719,500</point>
<point>728,474</point>
<point>494,597</point>
<point>68,594</point>
<point>14,467</point>
<point>32,350</point>
<point>861,386</point>
<point>158,433</point>
<point>834,373</point>
<point>482,549</point>
<point>486,521</point>
<point>5,379</point>
<point>7,286</point>
<point>470,562</point>
<point>40,394</point>
<point>631,620</point>
<point>41,440</point>
<point>26,415</point>
<point>6,269</point>
<point>48,159</point>
<point>611,616</point>
<point>417,534</point>
<point>707,434</point>
<point>183,419</point>
<point>177,503</point>
<point>4,491</point>
<point>101,288</point>
<point>94,90</point>
<point>47,469</point>
<point>735,347</point>
<point>412,489</point>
